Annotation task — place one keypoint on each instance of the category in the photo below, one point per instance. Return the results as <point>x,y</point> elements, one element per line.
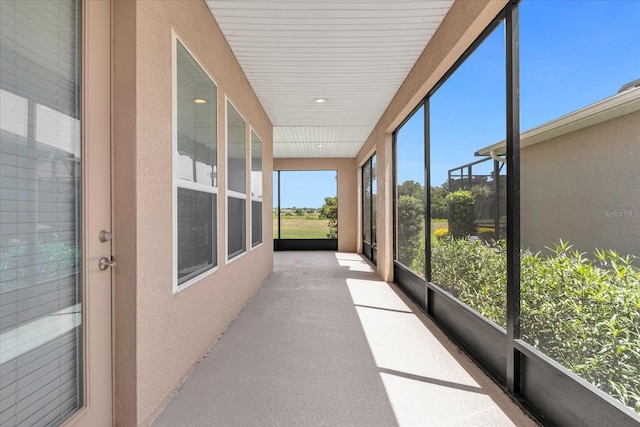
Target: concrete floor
<point>325,342</point>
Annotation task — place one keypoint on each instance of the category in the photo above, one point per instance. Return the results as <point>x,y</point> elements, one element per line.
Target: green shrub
<point>410,232</point>
<point>462,214</point>
<point>583,313</point>
<point>417,263</point>
<point>473,271</point>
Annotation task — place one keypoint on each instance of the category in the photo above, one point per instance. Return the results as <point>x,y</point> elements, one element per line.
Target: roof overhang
<point>615,106</point>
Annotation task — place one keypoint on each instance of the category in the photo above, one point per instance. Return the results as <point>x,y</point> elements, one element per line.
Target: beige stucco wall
<point>584,188</point>
<point>347,193</point>
<point>158,335</point>
<point>462,25</point>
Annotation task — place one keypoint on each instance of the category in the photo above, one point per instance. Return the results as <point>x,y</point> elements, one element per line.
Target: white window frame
<point>231,193</point>
<point>252,132</point>
<point>183,183</point>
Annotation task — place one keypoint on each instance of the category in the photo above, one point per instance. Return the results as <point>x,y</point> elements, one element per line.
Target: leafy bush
<point>410,231</point>
<point>583,313</point>
<point>473,271</point>
<point>462,214</point>
<point>417,263</point>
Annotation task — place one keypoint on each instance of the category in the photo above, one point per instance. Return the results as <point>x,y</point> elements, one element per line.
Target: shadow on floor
<point>326,342</point>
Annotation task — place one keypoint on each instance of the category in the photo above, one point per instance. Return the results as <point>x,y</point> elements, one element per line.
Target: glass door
<point>47,172</point>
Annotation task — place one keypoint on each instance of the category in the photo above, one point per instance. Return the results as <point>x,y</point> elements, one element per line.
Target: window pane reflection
<point>256,189</point>
<point>196,233</point>
<point>197,130</point>
<point>236,151</point>
<point>237,216</point>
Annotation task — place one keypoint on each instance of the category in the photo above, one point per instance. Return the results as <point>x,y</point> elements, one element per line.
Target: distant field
<point>309,226</point>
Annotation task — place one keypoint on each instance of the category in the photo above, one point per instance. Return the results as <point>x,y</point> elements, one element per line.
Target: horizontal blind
<point>40,298</point>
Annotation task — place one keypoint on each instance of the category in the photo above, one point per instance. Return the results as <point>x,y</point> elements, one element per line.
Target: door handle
<point>105,263</point>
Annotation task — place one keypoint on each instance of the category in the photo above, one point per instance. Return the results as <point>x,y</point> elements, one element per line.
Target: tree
<point>462,214</point>
<point>411,188</point>
<point>329,211</point>
<point>439,207</point>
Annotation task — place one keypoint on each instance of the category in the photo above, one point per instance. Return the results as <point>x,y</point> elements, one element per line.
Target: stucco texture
<point>159,335</point>
<point>583,187</point>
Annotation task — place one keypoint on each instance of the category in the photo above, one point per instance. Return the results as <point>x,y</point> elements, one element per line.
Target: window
<point>195,170</point>
<point>374,200</point>
<point>410,193</point>
<point>369,189</point>
<point>256,189</point>
<point>236,183</point>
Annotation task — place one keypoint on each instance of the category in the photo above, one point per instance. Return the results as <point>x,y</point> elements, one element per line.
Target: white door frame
<point>96,216</point>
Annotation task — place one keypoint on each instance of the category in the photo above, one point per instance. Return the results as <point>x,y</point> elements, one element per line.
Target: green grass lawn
<point>308,226</point>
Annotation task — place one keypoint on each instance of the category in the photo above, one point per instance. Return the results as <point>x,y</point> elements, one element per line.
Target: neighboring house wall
<point>160,336</point>
<point>347,193</point>
<point>567,191</point>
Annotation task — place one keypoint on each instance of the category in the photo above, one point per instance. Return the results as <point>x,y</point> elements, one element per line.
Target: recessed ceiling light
<point>319,145</point>
<point>200,101</point>
<point>320,100</point>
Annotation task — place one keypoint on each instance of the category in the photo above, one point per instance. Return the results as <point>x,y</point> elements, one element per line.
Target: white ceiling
<point>353,53</point>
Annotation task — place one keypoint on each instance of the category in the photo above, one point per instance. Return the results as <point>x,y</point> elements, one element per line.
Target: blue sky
<point>572,54</point>
<point>304,189</point>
